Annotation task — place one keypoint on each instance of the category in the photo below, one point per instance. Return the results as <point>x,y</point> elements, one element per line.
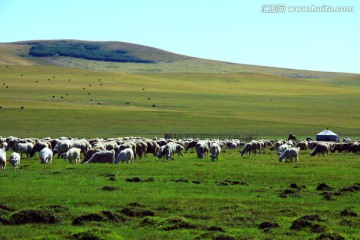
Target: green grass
<point>200,201</point>
<point>119,103</point>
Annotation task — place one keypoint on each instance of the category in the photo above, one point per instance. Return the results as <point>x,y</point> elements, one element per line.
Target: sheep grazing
<point>4,146</point>
<point>73,154</point>
<point>178,149</point>
<point>15,160</point>
<point>321,148</point>
<point>62,146</point>
<point>169,150</point>
<point>83,144</point>
<point>290,153</point>
<point>2,159</point>
<point>215,151</point>
<point>102,157</point>
<point>38,146</point>
<point>251,147</point>
<point>46,155</point>
<point>126,155</point>
<point>24,148</point>
<point>282,149</point>
<point>202,149</point>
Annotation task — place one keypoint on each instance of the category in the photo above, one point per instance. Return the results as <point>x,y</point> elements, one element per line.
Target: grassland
<point>79,102</point>
<point>187,198</point>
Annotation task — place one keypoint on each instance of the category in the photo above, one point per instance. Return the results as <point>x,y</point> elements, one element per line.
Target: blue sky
<point>228,30</point>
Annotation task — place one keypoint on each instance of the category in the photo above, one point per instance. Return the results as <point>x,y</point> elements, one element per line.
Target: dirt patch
<point>215,229</point>
<point>265,225</point>
<point>92,217</point>
<point>327,196</point>
<point>110,175</point>
<point>178,223</point>
<point>295,186</point>
<point>114,217</point>
<point>93,234</point>
<point>231,182</point>
<point>149,180</point>
<point>348,213</point>
<point>148,222</point>
<point>103,216</point>
<point>180,180</point>
<point>5,207</point>
<point>134,179</point>
<point>108,188</point>
<point>223,237</point>
<point>55,173</point>
<point>330,236</point>
<point>352,189</point>
<point>136,210</point>
<point>289,192</point>
<point>34,216</point>
<point>310,222</point>
<point>323,187</point>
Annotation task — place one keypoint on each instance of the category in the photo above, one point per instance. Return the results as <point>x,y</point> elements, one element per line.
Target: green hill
<point>58,95</point>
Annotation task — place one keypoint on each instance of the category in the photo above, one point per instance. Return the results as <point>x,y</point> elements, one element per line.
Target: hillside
<point>142,59</point>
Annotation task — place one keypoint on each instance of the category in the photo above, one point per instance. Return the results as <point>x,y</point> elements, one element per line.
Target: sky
<point>259,32</point>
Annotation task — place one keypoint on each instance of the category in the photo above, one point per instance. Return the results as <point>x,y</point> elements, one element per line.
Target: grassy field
<point>187,198</point>
<point>234,198</point>
<point>78,102</point>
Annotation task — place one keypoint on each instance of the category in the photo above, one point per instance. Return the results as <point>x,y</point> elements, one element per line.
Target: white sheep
<point>62,146</point>
<point>126,155</point>
<point>2,159</point>
<point>282,148</point>
<point>102,157</point>
<point>46,155</point>
<point>290,153</point>
<point>4,146</point>
<point>73,154</point>
<point>15,160</point>
<point>215,150</point>
<point>24,148</point>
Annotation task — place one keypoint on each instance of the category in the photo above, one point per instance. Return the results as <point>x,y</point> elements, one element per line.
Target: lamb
<point>320,148</point>
<point>15,160</point>
<point>46,155</point>
<point>24,148</point>
<point>2,159</point>
<point>126,155</point>
<point>73,154</point>
<point>215,151</point>
<point>290,153</point>
<point>102,157</point>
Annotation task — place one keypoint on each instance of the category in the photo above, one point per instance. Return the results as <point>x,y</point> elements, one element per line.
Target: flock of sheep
<point>127,149</point>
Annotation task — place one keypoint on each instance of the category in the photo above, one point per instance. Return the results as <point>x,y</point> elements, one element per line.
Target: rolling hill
<point>64,95</point>
<point>154,60</point>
